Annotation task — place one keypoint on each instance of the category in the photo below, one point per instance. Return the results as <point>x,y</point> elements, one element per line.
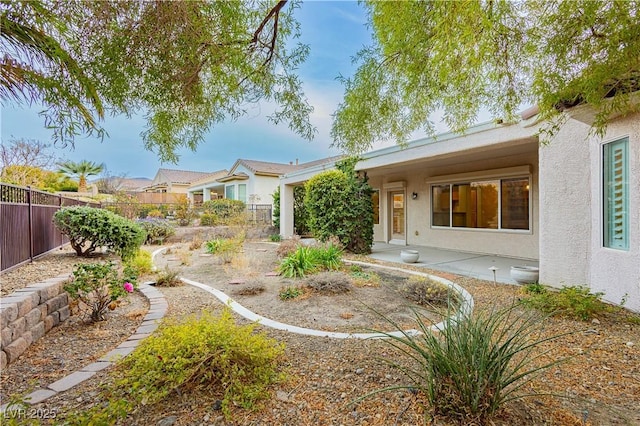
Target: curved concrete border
<point>465,309</point>
<point>157,309</point>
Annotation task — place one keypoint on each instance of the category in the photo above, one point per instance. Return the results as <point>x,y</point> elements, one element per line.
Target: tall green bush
<point>224,210</point>
<point>339,204</point>
<point>89,228</point>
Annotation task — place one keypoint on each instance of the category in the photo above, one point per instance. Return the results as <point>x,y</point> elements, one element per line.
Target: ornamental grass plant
<point>474,364</point>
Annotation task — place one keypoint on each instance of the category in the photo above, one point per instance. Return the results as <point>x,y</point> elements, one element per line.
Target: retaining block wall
<point>27,314</point>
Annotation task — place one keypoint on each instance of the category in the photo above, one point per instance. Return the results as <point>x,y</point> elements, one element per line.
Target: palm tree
<point>36,67</point>
<point>81,169</point>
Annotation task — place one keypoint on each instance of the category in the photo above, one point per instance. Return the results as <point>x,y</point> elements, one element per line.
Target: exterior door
<point>397,219</point>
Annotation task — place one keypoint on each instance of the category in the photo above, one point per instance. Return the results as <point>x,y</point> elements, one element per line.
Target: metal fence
<point>259,214</point>
<point>26,224</point>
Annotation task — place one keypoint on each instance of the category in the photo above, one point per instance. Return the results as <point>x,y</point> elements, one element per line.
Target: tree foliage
<point>339,205</point>
<point>82,169</point>
<point>454,57</point>
<point>185,65</point>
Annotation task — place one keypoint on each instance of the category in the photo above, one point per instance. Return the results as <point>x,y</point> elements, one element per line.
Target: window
<point>229,192</point>
<point>487,204</point>
<point>242,192</point>
<point>616,194</point>
<point>375,201</point>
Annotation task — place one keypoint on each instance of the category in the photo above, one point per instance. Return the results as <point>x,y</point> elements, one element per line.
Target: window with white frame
<point>615,158</point>
<point>484,204</point>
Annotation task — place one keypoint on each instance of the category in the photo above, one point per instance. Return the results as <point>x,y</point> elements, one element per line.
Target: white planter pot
<point>409,256</point>
<point>525,274</point>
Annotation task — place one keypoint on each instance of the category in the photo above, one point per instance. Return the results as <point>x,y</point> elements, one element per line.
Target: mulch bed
<point>598,384</point>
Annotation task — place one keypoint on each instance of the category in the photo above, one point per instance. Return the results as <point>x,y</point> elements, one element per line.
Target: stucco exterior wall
<point>571,222</point>
<point>521,244</point>
<point>264,187</point>
<point>616,272</point>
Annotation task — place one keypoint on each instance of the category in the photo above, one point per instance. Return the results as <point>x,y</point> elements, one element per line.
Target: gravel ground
<point>600,382</point>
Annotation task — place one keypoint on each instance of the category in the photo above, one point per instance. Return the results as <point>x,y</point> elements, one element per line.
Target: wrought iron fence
<point>26,224</point>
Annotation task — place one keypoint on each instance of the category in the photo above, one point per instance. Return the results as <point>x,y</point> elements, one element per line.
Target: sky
<point>334,30</point>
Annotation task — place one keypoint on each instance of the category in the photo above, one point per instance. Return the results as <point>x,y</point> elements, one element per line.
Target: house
<point>171,184</point>
<point>175,181</point>
<point>573,204</point>
<point>250,181</point>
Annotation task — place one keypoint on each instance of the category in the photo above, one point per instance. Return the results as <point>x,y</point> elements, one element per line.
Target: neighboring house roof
<point>264,168</point>
<point>181,176</point>
<point>133,184</point>
<point>211,177</point>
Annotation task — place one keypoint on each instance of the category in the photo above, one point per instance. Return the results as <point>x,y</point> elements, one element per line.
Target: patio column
<point>206,194</point>
<point>286,211</point>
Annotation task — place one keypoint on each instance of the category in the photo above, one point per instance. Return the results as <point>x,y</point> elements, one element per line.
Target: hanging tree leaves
<point>186,65</point>
<point>454,57</point>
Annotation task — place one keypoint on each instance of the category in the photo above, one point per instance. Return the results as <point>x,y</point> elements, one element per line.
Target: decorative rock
<point>282,396</point>
<point>595,321</point>
<point>167,421</point>
<point>360,371</point>
<point>629,344</point>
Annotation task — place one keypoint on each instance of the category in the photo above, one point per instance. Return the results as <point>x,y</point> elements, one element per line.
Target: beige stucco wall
<point>522,244</point>
<point>571,243</point>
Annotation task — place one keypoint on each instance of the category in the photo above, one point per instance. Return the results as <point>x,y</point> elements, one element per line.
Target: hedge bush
<point>223,211</point>
<point>339,204</point>
<point>158,230</point>
<point>89,228</point>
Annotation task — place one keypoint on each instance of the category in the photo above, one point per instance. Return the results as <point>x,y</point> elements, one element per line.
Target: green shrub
<point>183,211</point>
<point>225,211</point>
<point>475,364</point>
<point>575,302</point>
<point>339,205</point>
<point>156,214</point>
<point>226,248</point>
<point>427,292</point>
<point>141,263</point>
<point>89,228</point>
<point>202,354</point>
<point>208,219</point>
<point>158,230</point>
<point>328,257</point>
<point>97,285</point>
<point>290,292</point>
<point>299,263</point>
<point>275,238</point>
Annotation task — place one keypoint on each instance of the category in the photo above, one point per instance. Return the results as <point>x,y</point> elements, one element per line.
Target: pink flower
<point>128,287</point>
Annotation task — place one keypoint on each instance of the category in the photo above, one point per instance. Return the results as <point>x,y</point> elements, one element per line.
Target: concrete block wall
<point>27,314</point>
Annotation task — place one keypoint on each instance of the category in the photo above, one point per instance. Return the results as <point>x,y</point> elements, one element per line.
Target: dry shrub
<point>288,246</point>
<point>330,282</point>
<point>168,278</point>
<point>196,243</point>
<point>250,290</point>
<point>426,292</point>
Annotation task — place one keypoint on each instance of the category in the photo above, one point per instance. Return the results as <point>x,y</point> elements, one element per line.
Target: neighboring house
<point>175,181</point>
<point>250,181</point>
<point>572,204</point>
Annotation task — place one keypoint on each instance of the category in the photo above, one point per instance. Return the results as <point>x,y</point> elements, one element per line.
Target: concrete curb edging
<point>466,307</point>
<point>158,307</point>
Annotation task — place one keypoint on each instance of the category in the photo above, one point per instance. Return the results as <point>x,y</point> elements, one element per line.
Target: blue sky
<point>335,31</point>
